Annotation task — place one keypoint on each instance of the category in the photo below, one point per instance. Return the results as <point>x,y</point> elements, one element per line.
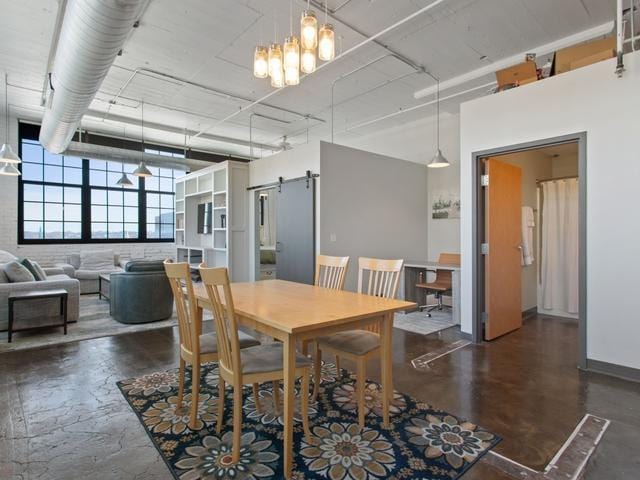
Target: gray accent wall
<point>371,206</point>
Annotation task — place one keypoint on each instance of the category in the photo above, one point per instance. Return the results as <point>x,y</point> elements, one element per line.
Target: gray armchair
<point>141,293</point>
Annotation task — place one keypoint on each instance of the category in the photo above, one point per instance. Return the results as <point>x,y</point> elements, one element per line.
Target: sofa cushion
<point>144,266</point>
<point>30,265</point>
<point>16,272</point>
<point>94,274</point>
<point>74,260</point>
<point>58,277</point>
<point>96,260</point>
<point>41,273</point>
<point>6,257</point>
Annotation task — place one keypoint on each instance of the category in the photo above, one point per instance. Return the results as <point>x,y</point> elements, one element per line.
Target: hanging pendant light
<point>6,152</point>
<point>326,42</point>
<point>308,30</point>
<point>438,160</point>
<point>142,170</point>
<point>9,169</point>
<point>124,181</point>
<point>275,59</point>
<point>261,62</point>
<point>308,61</point>
<point>277,78</point>
<point>291,60</point>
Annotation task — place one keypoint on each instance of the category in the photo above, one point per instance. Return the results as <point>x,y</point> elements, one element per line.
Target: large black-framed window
<point>64,199</point>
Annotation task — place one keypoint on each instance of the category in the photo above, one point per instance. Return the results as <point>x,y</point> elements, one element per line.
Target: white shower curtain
<point>267,229</point>
<point>559,272</point>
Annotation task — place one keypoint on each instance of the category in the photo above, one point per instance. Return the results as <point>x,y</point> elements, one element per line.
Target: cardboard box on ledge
<point>583,54</point>
<point>517,75</point>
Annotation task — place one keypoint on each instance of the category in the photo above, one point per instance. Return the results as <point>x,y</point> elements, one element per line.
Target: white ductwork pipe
<point>92,34</point>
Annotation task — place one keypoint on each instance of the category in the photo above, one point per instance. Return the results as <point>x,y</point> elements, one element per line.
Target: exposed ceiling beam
<point>541,50</point>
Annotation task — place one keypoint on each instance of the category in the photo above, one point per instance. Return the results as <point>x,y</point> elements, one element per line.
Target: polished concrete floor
<point>62,416</point>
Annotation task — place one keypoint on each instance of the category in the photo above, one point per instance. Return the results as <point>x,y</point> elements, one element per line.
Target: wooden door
<point>503,234</point>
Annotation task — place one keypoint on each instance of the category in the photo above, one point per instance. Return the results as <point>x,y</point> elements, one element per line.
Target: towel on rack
<point>528,222</point>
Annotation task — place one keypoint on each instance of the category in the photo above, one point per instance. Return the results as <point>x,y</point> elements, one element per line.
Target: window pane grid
<point>52,199</point>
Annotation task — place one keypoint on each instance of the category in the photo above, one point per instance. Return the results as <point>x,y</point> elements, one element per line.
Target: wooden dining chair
<point>379,278</point>
<point>330,273</point>
<point>253,365</point>
<point>196,348</point>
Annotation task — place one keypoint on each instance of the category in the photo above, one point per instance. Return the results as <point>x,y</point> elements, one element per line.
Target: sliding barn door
<point>295,231</point>
<point>503,236</point>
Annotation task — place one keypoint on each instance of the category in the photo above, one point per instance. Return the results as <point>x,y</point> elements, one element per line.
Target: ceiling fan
<point>284,145</point>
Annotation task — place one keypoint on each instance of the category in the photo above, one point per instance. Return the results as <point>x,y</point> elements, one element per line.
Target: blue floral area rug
<point>421,443</point>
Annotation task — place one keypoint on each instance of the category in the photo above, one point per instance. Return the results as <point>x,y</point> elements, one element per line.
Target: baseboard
<point>466,336</point>
<point>619,371</point>
<point>532,312</point>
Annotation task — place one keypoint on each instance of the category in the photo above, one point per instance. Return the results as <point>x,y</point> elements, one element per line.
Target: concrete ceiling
<point>207,45</point>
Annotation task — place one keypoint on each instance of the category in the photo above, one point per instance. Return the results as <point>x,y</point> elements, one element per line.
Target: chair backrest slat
<point>218,287</point>
<point>444,276</point>
<point>383,280</point>
<point>179,276</point>
<point>331,272</point>
<point>383,276</point>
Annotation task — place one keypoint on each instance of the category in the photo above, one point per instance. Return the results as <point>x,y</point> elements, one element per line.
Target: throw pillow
<point>41,273</point>
<point>29,265</point>
<point>97,260</point>
<point>3,276</point>
<point>16,272</point>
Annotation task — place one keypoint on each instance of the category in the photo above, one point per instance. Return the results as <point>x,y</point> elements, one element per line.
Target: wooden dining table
<point>292,312</point>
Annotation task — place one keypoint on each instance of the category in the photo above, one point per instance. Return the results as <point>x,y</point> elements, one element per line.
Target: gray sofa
<point>46,307</point>
<point>141,293</point>
<point>87,266</point>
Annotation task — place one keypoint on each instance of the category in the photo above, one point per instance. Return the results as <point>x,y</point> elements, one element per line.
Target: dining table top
<point>296,307</point>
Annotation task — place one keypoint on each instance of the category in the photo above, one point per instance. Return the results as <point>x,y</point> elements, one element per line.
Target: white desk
<point>412,270</point>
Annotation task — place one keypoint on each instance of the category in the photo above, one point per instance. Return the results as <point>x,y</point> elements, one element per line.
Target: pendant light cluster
<point>8,159</point>
<point>283,63</point>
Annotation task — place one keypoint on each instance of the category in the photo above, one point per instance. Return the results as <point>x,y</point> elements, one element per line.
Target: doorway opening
<point>267,234</point>
<point>285,230</point>
<point>530,205</point>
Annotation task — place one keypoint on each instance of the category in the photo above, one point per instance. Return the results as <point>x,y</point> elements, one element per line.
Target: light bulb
<point>291,53</point>
<point>308,61</point>
<point>275,59</point>
<point>292,76</point>
<point>326,43</point>
<point>277,78</point>
<point>261,62</point>
<point>308,30</point>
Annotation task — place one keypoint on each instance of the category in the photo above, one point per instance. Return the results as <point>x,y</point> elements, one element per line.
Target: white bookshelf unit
<point>224,186</point>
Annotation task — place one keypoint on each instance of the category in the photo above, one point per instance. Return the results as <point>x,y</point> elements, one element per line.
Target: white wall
<point>289,164</point>
<point>594,100</point>
<point>372,206</point>
<point>416,142</point>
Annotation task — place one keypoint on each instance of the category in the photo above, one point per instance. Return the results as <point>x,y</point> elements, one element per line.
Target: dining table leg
<point>387,366</point>
<point>289,401</point>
